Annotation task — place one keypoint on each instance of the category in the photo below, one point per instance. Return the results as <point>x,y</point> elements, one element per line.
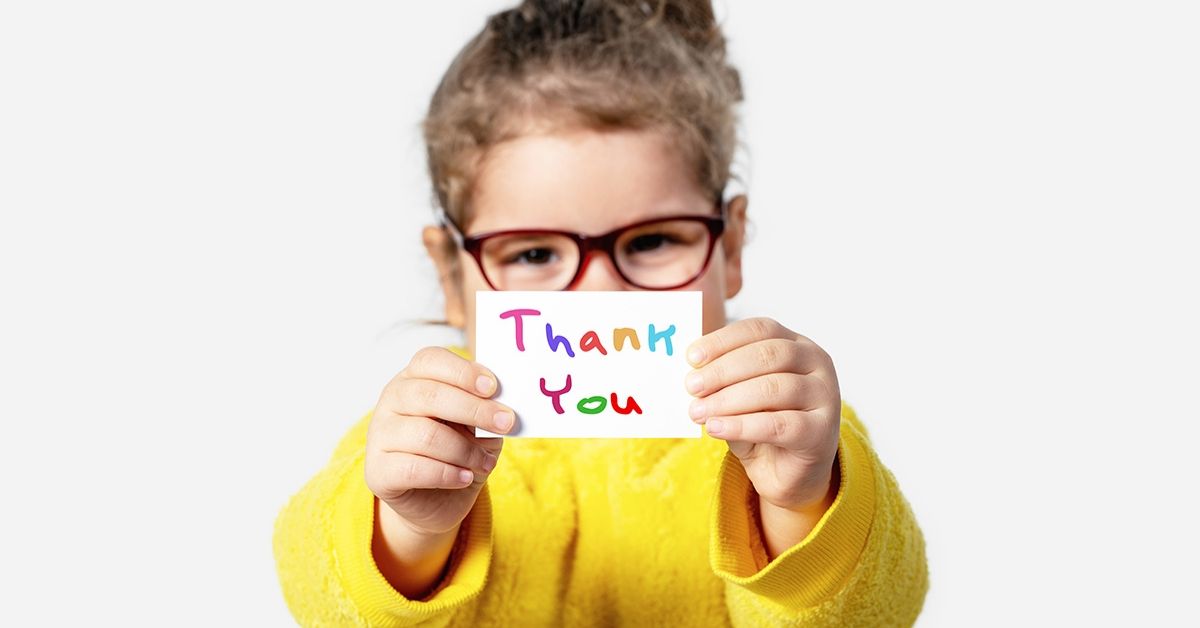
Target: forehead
<point>583,180</point>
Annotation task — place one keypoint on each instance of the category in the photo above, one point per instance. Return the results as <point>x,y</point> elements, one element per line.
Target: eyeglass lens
<point>654,255</point>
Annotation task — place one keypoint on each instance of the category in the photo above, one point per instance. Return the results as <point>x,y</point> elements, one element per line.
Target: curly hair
<point>594,64</point>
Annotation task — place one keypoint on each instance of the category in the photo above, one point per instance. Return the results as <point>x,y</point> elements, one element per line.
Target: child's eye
<point>536,257</point>
<point>650,242</point>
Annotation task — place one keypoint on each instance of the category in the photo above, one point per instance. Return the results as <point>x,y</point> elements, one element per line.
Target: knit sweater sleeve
<point>323,556</point>
<point>863,564</point>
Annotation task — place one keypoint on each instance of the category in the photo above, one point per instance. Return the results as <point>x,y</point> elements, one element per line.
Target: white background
<point>209,251</point>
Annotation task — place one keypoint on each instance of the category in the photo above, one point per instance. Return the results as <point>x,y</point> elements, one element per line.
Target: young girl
<point>590,118</point>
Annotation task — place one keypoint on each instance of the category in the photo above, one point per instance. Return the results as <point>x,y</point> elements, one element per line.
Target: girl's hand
<point>773,395</point>
<point>423,459</point>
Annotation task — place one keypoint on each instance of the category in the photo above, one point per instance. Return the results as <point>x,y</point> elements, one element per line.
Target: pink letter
<point>516,316</point>
<point>555,394</point>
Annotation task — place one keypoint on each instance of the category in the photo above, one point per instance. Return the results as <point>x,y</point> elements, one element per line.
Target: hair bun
<point>692,19</point>
<point>534,23</point>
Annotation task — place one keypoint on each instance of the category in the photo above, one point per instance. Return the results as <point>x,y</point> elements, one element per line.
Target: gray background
<point>209,251</point>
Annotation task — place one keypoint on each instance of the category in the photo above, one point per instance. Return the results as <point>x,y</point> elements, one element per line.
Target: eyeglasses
<point>658,254</point>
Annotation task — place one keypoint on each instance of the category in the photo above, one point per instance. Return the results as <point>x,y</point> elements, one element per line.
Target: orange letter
<point>620,334</point>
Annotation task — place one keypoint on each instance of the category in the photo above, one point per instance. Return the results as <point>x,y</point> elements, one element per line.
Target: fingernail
<point>466,476</point>
<point>503,420</point>
<point>484,384</point>
<point>696,410</point>
<point>695,381</point>
<point>489,462</point>
<point>714,426</point>
<point>695,355</point>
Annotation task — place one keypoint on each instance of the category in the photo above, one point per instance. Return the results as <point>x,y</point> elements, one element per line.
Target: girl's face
<point>588,182</point>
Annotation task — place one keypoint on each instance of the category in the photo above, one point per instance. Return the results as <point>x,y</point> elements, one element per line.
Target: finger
<point>489,443</point>
<point>774,355</point>
<point>785,429</point>
<point>442,365</point>
<point>773,391</point>
<point>715,344</point>
<point>436,440</point>
<point>398,472</point>
<point>429,398</point>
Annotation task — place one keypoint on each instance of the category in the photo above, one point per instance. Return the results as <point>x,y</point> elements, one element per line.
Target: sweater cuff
<point>814,569</point>
<point>353,527</point>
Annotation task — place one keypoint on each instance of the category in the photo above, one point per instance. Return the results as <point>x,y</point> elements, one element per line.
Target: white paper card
<point>628,366</point>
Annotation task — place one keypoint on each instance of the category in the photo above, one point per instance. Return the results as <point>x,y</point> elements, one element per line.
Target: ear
<point>444,254</point>
<point>732,241</point>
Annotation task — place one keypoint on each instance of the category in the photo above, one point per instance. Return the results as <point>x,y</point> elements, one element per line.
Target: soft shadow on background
<point>209,230</point>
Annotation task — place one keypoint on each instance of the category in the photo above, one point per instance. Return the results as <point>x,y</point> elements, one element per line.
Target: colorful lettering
<point>632,406</point>
<point>622,333</point>
<point>556,341</point>
<point>555,394</point>
<point>520,330</point>
<point>665,335</point>
<point>582,406</point>
<point>592,341</point>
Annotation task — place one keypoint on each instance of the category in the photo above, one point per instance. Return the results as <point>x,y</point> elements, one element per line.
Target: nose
<point>599,273</point>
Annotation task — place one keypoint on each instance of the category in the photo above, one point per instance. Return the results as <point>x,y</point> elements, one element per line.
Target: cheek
<point>714,311</point>
<point>712,284</point>
<point>472,282</point>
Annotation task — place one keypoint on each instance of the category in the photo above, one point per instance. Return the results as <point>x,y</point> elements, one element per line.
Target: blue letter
<point>665,335</point>
<point>555,341</point>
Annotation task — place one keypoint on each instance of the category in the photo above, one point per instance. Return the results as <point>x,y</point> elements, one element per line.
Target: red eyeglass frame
<point>605,243</point>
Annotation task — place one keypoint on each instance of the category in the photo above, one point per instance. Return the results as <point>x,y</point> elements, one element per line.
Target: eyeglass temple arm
<point>446,223</point>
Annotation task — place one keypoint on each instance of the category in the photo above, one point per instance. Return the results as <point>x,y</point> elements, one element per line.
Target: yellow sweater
<point>628,532</point>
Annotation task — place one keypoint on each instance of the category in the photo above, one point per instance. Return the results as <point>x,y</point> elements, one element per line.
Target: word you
<point>588,405</point>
